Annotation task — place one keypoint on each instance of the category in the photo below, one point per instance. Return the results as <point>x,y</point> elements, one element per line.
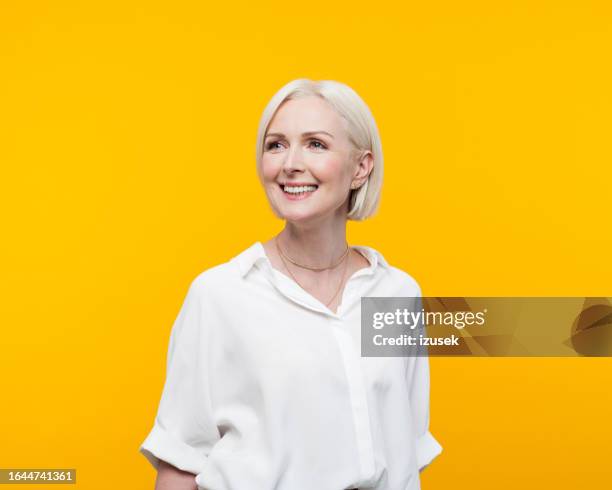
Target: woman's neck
<point>315,245</point>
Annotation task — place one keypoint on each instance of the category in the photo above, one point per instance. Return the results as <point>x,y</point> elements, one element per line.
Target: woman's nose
<point>293,160</point>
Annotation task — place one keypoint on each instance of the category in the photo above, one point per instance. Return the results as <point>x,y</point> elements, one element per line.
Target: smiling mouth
<point>298,190</point>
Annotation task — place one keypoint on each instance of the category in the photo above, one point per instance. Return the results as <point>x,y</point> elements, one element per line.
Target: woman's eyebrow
<point>307,133</point>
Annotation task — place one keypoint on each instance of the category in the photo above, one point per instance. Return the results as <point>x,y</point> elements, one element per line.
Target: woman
<point>265,387</point>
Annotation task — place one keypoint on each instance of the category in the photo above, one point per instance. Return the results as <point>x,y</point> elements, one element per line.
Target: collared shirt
<point>266,388</point>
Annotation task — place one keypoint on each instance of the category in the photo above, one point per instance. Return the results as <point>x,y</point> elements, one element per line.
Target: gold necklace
<point>298,282</point>
<point>316,269</point>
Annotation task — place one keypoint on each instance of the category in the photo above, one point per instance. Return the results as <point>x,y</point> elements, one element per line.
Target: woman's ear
<point>365,164</point>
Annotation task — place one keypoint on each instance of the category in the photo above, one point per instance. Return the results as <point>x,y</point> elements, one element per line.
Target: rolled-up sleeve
<point>427,447</point>
<point>183,432</point>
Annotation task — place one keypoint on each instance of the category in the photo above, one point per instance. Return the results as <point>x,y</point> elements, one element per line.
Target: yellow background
<point>127,146</point>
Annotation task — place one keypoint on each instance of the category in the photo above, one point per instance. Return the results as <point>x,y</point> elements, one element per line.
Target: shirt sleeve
<point>427,447</point>
<point>183,432</point>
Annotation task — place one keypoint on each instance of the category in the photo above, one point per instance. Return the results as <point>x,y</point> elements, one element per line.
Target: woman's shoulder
<point>225,277</point>
<point>401,279</point>
<point>408,283</point>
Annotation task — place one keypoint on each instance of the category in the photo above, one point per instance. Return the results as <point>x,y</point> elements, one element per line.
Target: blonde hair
<point>360,125</point>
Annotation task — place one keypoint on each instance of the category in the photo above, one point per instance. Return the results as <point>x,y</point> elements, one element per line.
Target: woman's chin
<point>307,214</point>
<point>299,216</point>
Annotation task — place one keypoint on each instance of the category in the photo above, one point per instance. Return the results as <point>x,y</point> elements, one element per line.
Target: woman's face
<point>307,163</point>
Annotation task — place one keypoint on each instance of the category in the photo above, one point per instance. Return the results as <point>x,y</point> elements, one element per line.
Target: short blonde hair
<point>360,125</point>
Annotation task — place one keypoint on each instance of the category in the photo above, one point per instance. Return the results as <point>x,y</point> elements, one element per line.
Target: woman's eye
<point>274,145</point>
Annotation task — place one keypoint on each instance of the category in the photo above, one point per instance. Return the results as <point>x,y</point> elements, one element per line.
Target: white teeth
<point>297,190</point>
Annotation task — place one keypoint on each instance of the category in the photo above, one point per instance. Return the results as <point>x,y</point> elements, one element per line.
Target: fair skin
<point>171,478</point>
<point>315,223</point>
<point>315,226</point>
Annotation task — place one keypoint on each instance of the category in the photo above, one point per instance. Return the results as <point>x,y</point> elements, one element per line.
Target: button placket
<point>359,404</point>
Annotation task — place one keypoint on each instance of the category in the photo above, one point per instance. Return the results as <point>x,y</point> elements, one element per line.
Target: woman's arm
<point>184,428</point>
<point>171,478</point>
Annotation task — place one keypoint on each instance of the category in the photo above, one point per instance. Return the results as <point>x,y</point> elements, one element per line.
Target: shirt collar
<point>256,253</point>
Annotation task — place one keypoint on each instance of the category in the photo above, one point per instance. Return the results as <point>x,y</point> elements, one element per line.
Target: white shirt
<point>266,388</point>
